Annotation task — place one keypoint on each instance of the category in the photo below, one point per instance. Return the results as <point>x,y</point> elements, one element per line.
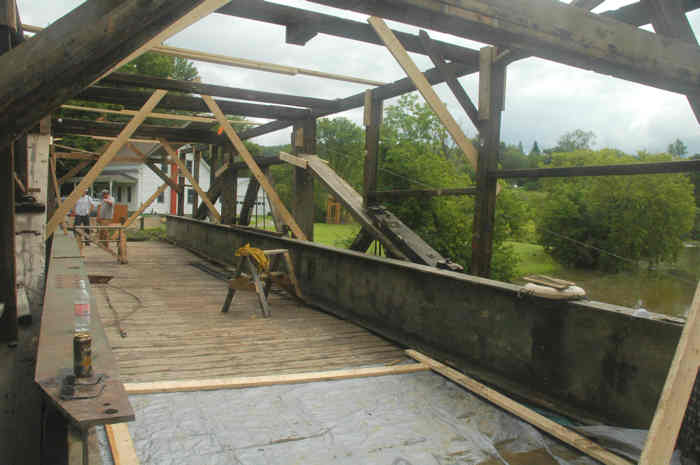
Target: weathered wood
<point>121,445</point>
<point>159,172</point>
<point>373,120</point>
<point>541,422</point>
<point>669,19</point>
<point>491,88</point>
<point>406,193</point>
<point>425,89</point>
<point>304,141</point>
<point>334,26</point>
<point>437,57</point>
<point>351,199</point>
<point>55,65</point>
<point>8,291</point>
<point>259,65</point>
<point>75,156</point>
<point>172,116</point>
<point>273,380</point>
<point>635,14</point>
<point>254,168</point>
<point>228,195</point>
<point>56,186</point>
<point>293,160</point>
<point>663,433</point>
<point>134,99</point>
<point>251,196</point>
<point>192,87</point>
<point>195,185</point>
<point>121,254</point>
<point>686,166</point>
<point>104,160</point>
<point>590,41</point>
<point>55,353</point>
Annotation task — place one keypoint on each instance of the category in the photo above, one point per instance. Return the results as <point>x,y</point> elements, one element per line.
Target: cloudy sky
<point>544,99</point>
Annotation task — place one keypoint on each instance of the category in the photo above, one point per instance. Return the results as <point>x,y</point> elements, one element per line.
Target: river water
<point>668,290</point>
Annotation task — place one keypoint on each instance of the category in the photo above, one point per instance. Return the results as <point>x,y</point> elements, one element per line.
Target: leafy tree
<point>162,66</point>
<point>641,217</point>
<point>416,153</point>
<point>575,140</point>
<point>678,148</point>
<point>695,180</point>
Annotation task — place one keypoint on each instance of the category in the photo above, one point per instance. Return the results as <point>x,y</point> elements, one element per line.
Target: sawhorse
<point>261,282</point>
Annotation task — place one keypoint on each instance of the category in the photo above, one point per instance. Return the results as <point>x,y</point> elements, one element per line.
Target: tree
<point>535,150</point>
<point>575,140</point>
<point>162,66</point>
<point>591,222</point>
<point>678,148</point>
<point>416,153</point>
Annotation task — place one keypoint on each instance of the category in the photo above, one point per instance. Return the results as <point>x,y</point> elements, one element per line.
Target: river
<point>668,290</point>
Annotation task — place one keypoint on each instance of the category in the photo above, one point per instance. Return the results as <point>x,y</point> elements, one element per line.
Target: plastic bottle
<point>81,306</point>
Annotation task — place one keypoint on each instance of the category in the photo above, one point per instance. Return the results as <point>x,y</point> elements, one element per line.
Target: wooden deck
<point>179,332</point>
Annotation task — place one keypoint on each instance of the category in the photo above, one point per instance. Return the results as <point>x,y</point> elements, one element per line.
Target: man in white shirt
<point>83,208</point>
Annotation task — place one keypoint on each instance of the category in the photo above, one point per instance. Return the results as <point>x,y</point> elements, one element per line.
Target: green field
<point>336,235</point>
<point>532,259</point>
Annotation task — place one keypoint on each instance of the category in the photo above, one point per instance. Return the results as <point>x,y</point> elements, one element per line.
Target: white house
<point>132,182</point>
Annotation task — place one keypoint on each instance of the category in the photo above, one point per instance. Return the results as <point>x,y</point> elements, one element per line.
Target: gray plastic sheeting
<point>413,419</point>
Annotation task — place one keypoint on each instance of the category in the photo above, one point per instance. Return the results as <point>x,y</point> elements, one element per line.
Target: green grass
<point>533,259</point>
<point>336,235</point>
<point>148,234</point>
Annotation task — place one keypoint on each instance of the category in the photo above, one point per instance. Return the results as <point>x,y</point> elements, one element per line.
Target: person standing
<point>83,209</point>
<point>105,212</point>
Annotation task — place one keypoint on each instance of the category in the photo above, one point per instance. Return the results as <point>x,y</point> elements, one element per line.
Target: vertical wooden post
<point>195,173</point>
<point>122,247</point>
<point>492,78</point>
<point>181,197</point>
<point>373,120</point>
<point>228,193</point>
<point>304,141</point>
<point>8,291</point>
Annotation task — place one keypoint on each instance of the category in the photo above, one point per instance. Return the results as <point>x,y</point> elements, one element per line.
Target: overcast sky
<point>544,99</point>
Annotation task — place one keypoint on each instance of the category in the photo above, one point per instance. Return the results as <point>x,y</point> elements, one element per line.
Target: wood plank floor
<point>177,331</point>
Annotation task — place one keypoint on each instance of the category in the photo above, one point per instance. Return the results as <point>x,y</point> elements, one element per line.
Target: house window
<point>161,198</point>
<point>189,165</point>
<point>190,196</point>
<point>128,194</point>
<point>119,194</point>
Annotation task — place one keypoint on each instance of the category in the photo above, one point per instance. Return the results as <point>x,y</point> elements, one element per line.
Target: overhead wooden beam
<point>147,133</point>
<point>298,18</point>
<point>202,9</point>
<point>663,433</point>
<point>259,65</point>
<point>104,160</point>
<point>378,196</point>
<point>134,99</point>
<point>195,185</point>
<point>160,173</point>
<point>75,156</point>
<point>555,31</point>
<point>437,57</point>
<point>602,170</point>
<point>635,14</point>
<point>541,422</point>
<point>425,89</point>
<point>192,87</point>
<point>42,73</point>
<point>254,168</point>
<point>74,149</point>
<point>669,19</point>
<point>171,116</point>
